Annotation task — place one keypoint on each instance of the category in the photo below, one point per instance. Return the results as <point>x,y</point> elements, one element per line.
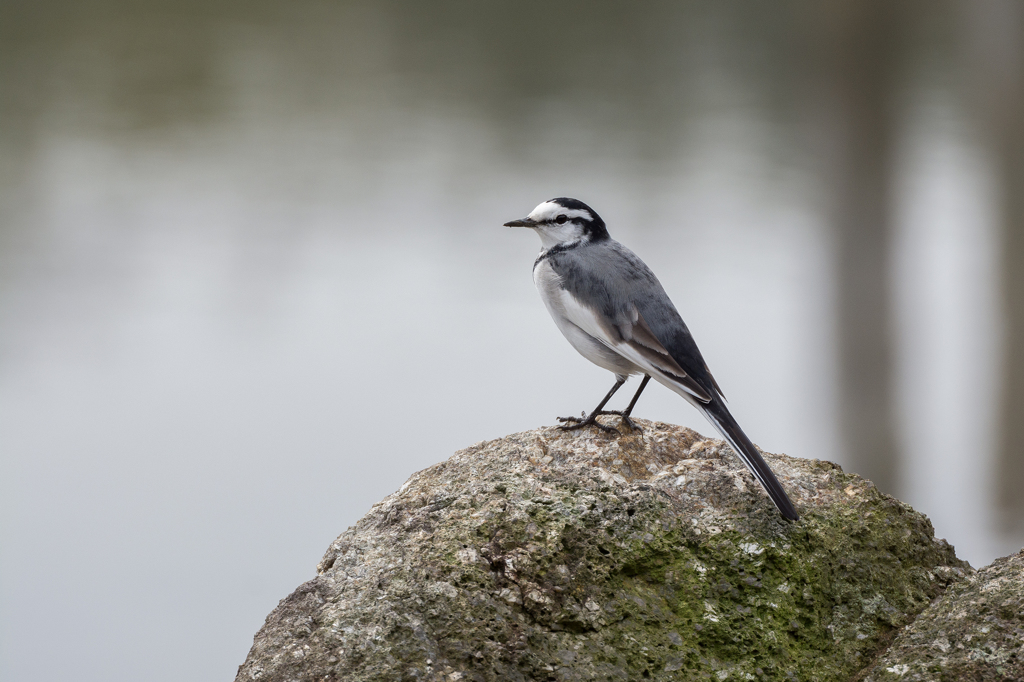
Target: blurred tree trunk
<point>1010,464</point>
<point>860,61</point>
<point>997,80</point>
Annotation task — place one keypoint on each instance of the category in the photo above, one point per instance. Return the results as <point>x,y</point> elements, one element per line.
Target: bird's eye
<point>561,219</point>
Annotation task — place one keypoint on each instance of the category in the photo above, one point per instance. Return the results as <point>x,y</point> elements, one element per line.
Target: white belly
<point>585,344</point>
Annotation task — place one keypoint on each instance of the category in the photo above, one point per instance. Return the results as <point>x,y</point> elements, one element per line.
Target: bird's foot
<point>573,423</point>
<point>630,424</point>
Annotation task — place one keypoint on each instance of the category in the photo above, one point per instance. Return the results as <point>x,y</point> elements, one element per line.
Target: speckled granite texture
<point>974,633</point>
<point>650,555</point>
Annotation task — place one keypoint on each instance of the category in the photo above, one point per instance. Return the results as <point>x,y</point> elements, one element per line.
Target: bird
<point>613,310</point>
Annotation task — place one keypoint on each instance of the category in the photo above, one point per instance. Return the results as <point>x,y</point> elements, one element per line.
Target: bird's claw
<point>630,424</point>
<point>574,423</point>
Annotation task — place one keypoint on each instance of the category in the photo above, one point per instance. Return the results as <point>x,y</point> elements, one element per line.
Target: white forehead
<point>549,210</point>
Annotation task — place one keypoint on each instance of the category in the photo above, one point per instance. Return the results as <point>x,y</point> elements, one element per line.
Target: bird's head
<point>563,221</point>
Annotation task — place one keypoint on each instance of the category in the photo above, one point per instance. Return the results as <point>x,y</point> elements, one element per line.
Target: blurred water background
<point>253,274</point>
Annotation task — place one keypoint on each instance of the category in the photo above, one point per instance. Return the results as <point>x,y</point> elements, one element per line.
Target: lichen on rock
<point>549,555</point>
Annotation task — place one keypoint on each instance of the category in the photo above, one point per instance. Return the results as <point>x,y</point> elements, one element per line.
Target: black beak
<point>525,222</point>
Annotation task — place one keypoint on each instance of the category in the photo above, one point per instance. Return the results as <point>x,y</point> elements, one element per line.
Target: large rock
<point>974,632</point>
<point>582,556</point>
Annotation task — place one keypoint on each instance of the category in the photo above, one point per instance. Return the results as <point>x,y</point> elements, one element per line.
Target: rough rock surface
<point>548,555</point>
<point>975,631</point>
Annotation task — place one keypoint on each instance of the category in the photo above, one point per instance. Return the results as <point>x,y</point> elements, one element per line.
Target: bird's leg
<point>572,423</point>
<point>626,412</point>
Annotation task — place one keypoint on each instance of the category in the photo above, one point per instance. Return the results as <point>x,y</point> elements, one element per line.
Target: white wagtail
<point>614,311</point>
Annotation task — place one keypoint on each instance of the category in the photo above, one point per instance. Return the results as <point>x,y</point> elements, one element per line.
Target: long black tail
<point>718,414</point>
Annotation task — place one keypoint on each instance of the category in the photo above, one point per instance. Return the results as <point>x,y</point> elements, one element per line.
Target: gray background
<point>253,274</point>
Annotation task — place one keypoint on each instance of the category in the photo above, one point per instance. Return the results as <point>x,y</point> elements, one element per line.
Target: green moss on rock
<point>581,556</point>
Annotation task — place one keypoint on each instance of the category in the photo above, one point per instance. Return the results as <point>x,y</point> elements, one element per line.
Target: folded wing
<point>631,337</point>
